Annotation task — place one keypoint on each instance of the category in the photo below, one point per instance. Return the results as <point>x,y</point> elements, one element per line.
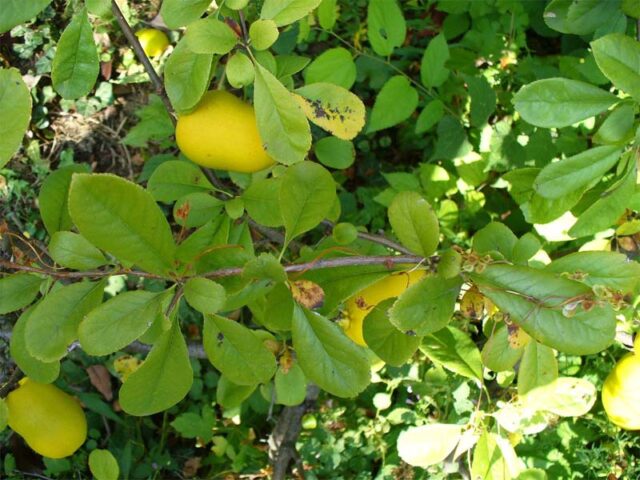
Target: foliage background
<point>421,139</point>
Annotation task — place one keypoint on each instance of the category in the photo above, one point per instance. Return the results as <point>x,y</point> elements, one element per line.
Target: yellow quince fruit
<point>621,392</point>
<point>222,133</point>
<point>359,306</point>
<point>50,421</point>
<point>154,42</point>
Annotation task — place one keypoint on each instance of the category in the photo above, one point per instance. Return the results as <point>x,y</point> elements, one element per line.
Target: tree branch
<point>357,260</point>
<point>283,438</point>
<point>139,51</point>
<point>380,239</point>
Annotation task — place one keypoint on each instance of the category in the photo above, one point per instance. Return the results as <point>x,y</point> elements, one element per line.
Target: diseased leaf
<point>332,108</point>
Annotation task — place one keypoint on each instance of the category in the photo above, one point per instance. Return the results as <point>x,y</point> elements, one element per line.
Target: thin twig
<point>380,239</point>
<point>139,51</point>
<point>357,260</point>
<point>11,382</point>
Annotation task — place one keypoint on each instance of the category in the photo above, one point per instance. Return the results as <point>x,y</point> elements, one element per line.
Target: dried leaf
<point>307,294</point>
<point>100,378</point>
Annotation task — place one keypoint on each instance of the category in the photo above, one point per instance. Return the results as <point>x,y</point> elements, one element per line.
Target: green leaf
<point>230,395</point>
<point>328,357</point>
<point>489,462</point>
<point>17,291</point>
<point>415,223</point>
<point>561,178</point>
<point>187,76</point>
<point>291,386</point>
<point>430,115</point>
<point>608,208</point>
<point>240,70</point>
<point>433,72</point>
<point>535,301</point>
<point>119,321</point>
<point>278,309</point>
<point>284,12</point>
<point>395,102</point>
<point>237,352</point>
<point>334,65</point>
<point>75,65</point>
<point>163,379</point>
<point>54,198</point>
<point>37,370</point>
<point>263,34</point>
<point>498,354</point>
<point>332,108</point>
<point>327,14</point>
<point>532,474</point>
<point>15,111</point>
<point>53,323</point>
<point>262,201</point>
<point>387,28</point>
<point>175,179</point>
<point>427,306</point>
<point>454,350</point>
<point>560,102</point>
<point>428,445</point>
<point>565,397</point>
<point>120,217</point>
<point>205,295</point>
<point>618,57</point>
<point>537,368</point>
<point>192,425</point>
<point>154,125</point>
<point>74,251</point>
<point>385,340</point>
<point>281,122</point>
<point>495,237</point>
<point>178,13</point>
<point>608,269</point>
<point>15,12</point>
<point>307,193</point>
<point>103,465</point>
<point>4,414</point>
<point>617,127</point>
<point>483,99</point>
<point>335,153</point>
<point>210,35</point>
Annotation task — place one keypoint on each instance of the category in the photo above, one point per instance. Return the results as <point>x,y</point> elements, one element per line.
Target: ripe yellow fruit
<point>358,306</point>
<point>222,133</point>
<point>153,41</point>
<point>621,393</point>
<point>50,421</point>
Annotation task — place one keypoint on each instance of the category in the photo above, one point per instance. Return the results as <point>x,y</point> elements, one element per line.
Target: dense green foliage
<point>492,143</point>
